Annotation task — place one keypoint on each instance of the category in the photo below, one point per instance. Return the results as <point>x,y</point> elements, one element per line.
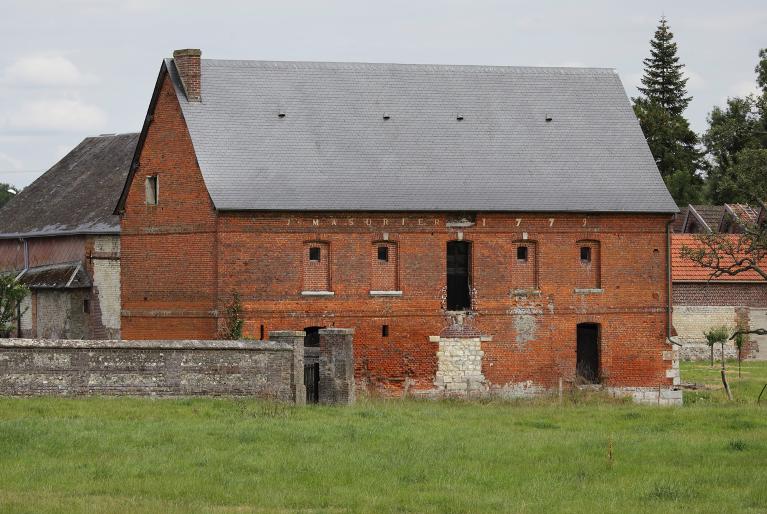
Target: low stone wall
<point>264,369</point>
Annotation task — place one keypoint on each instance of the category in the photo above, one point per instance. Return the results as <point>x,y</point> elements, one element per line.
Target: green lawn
<point>216,455</point>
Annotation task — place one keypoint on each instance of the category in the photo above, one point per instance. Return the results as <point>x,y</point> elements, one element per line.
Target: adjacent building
<point>60,237</point>
<point>481,228</point>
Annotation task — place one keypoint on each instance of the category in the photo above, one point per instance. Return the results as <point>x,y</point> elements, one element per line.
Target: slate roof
<point>333,150</point>
<point>77,195</point>
<point>684,270</point>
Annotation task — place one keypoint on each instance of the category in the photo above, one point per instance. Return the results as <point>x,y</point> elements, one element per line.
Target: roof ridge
<point>363,65</point>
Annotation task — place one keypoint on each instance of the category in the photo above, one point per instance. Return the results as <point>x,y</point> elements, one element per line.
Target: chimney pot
<point>187,63</point>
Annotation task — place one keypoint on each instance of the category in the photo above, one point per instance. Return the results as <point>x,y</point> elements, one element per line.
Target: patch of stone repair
<point>459,365</point>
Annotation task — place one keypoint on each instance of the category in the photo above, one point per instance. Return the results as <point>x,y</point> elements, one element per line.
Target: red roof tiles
<point>685,270</point>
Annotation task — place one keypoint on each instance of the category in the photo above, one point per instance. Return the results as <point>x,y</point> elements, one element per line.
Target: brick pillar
<point>294,338</point>
<point>336,366</point>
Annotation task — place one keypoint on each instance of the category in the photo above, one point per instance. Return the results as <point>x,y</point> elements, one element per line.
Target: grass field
<point>216,455</point>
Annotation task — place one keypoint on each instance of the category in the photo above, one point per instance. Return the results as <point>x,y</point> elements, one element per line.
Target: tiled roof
<point>69,275</point>
<point>710,214</point>
<point>684,270</point>
<point>744,212</point>
<point>77,195</point>
<point>679,220</point>
<point>388,137</point>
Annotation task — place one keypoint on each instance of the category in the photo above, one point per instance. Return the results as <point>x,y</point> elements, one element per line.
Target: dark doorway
<point>458,255</point>
<point>587,355</point>
<point>312,364</point>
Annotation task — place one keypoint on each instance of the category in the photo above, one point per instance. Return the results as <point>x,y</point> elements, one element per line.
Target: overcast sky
<point>74,68</point>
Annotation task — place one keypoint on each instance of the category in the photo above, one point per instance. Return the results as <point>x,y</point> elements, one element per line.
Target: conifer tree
<point>663,81</point>
<point>673,144</point>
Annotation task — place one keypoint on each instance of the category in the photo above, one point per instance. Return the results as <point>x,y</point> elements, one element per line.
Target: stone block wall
<point>459,365</point>
<point>336,366</point>
<point>59,313</point>
<point>691,321</point>
<point>105,270</point>
<point>264,369</point>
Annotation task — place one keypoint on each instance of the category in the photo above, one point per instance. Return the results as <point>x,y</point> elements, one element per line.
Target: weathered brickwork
<point>383,272</point>
<point>263,369</point>
<point>720,294</point>
<point>316,266</point>
<point>168,264</point>
<point>181,261</point>
<point>524,265</point>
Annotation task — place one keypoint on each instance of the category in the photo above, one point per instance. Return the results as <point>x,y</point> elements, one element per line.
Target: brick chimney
<point>188,66</point>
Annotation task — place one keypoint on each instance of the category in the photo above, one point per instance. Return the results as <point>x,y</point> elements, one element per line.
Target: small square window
<point>522,253</point>
<point>385,330</point>
<point>151,190</point>
<point>314,253</point>
<point>585,254</point>
<point>383,253</point>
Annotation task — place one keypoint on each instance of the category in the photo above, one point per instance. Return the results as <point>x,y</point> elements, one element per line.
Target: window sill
<point>588,291</point>
<point>525,292</point>
<point>385,293</point>
<point>317,293</point>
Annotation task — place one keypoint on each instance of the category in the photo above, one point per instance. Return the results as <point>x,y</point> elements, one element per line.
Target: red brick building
<point>481,228</point>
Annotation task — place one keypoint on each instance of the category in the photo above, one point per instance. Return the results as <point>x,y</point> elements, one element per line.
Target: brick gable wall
<point>168,270</point>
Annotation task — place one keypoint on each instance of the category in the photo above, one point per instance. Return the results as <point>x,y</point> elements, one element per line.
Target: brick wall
<point>266,369</point>
<point>168,265</point>
<point>316,266</point>
<point>533,334</point>
<point>383,272</point>
<point>720,294</point>
<point>524,268</point>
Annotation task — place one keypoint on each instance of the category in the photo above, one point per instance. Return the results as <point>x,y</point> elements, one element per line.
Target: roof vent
<point>386,116</point>
<point>548,117</point>
<point>459,117</point>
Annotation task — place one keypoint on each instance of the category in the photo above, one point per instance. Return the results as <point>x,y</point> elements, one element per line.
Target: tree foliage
<point>663,81</point>
<point>736,142</point>
<point>5,193</point>
<point>234,320</point>
<point>12,293</point>
<point>674,145</point>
